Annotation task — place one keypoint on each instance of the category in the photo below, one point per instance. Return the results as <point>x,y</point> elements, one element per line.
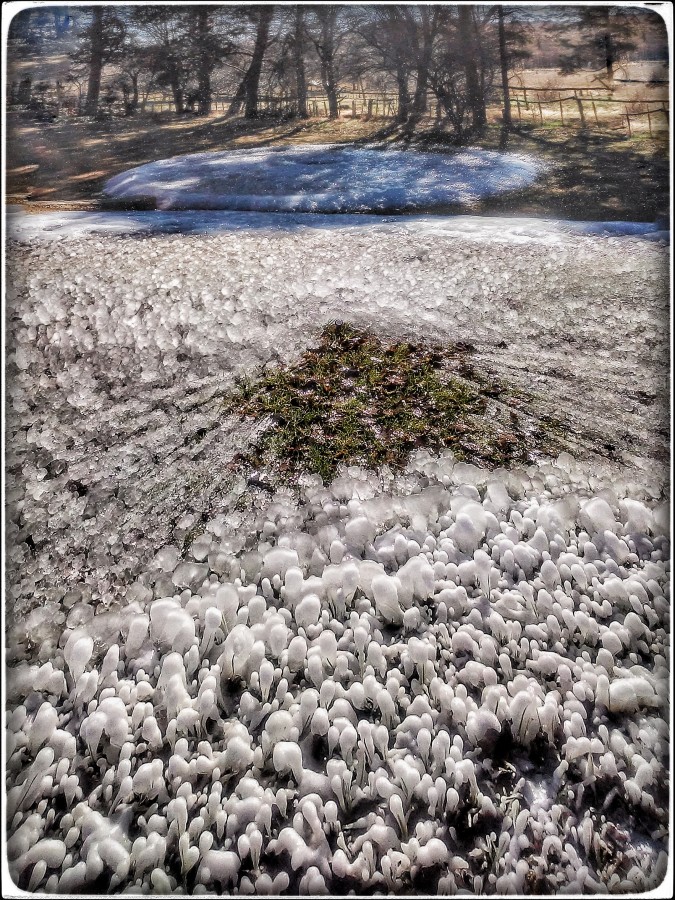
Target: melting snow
<point>325,178</point>
<point>495,229</point>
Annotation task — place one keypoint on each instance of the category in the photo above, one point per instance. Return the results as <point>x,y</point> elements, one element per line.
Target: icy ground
<point>325,178</point>
<point>216,689</point>
<point>509,230</point>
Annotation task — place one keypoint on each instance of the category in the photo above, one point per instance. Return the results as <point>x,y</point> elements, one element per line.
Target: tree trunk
<point>403,112</point>
<point>299,60</point>
<point>134,93</point>
<point>608,45</point>
<point>423,61</point>
<point>330,87</point>
<point>177,92</point>
<point>204,69</point>
<point>504,63</point>
<point>326,51</point>
<point>95,62</point>
<point>252,78</point>
<point>238,100</point>
<point>420,99</point>
<point>475,96</point>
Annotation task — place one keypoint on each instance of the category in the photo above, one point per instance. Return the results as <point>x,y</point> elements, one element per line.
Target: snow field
<point>310,692</point>
<point>324,178</point>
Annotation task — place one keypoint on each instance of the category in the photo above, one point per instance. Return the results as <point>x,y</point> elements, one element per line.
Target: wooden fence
<point>349,105</point>
<point>581,103</point>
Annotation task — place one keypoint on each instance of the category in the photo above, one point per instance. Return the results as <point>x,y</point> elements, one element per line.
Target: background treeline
<point>454,57</point>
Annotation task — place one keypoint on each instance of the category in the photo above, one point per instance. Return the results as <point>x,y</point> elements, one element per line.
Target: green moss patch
<point>354,399</point>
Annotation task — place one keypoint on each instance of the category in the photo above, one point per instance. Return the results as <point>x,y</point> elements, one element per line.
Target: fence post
<point>581,111</point>
<point>649,121</point>
<point>525,97</point>
<point>518,102</point>
<point>630,133</point>
<point>541,115</point>
<point>595,112</point>
<point>353,109</point>
<point>562,117</point>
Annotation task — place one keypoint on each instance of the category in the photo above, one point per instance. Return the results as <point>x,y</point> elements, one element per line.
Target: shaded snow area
<point>439,680</point>
<point>324,178</point>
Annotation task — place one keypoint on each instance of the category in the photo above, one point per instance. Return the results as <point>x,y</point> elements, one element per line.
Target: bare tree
<point>205,60</point>
<point>132,66</point>
<point>95,61</point>
<point>248,90</point>
<point>327,37</point>
<point>470,60</point>
<point>209,38</point>
<point>405,37</point>
<point>102,39</point>
<point>299,39</point>
<point>423,22</point>
<point>386,31</point>
<point>504,66</point>
<point>169,47</point>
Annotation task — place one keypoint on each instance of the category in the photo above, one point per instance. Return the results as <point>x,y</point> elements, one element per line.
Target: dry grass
<point>629,78</point>
<point>53,161</point>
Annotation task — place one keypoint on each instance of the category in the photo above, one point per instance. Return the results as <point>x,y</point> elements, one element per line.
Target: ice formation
<point>324,178</point>
<point>436,680</point>
<point>500,229</point>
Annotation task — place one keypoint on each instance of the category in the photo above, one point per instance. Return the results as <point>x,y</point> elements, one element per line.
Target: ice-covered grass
<point>438,680</point>
<point>325,178</point>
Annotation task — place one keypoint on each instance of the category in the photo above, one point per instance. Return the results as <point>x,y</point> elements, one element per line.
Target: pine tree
<point>605,35</point>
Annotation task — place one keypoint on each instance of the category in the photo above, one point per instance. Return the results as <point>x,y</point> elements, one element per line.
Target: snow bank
<point>325,178</point>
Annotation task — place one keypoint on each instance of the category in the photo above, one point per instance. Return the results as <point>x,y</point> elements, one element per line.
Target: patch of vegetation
<point>357,400</point>
<point>191,535</point>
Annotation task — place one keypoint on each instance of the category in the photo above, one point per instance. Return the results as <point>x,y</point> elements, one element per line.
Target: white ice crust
<point>222,690</point>
<point>515,230</point>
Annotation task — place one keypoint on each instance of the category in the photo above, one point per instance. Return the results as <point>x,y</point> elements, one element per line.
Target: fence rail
<point>584,105</point>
